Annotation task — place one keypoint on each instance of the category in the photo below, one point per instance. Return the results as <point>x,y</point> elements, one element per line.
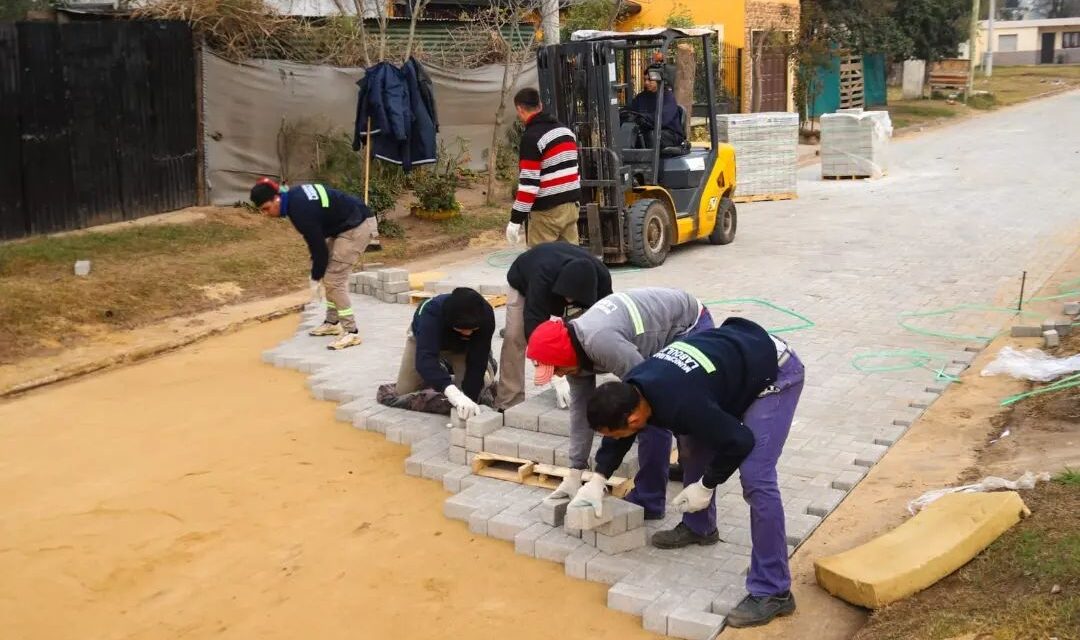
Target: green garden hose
<point>804,322</point>
<point>1065,383</point>
<point>908,359</point>
<point>905,316</point>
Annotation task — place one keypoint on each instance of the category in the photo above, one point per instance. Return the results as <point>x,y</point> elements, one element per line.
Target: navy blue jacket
<point>401,106</point>
<point>701,386</point>
<point>645,103</point>
<point>549,273</point>
<point>422,147</point>
<point>433,333</point>
<point>319,213</point>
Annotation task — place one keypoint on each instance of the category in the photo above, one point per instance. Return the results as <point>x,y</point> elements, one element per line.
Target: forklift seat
<point>681,149</point>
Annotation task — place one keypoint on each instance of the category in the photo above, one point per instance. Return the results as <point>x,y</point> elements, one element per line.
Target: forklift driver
<point>642,109</point>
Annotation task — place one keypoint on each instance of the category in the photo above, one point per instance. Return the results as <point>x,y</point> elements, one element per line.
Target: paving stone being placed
<point>553,511</point>
<point>483,424</point>
<point>585,518</point>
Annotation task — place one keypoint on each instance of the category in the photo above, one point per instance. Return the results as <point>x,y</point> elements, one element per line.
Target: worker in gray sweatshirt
<point>613,336</point>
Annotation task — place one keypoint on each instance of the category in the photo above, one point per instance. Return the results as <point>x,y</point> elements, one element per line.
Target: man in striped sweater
<point>548,185</point>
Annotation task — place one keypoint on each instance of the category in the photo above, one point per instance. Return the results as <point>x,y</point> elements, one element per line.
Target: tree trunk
<point>755,72</point>
<point>685,69</point>
<point>615,14</point>
<point>500,112</point>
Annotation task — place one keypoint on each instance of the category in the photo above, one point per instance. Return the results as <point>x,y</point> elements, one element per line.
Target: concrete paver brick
<point>555,545</point>
<point>621,511</point>
<point>1051,339</point>
<point>728,599</point>
<point>458,507</point>
<point>869,455</point>
<point>576,562</point>
<point>506,526</point>
<point>525,541</point>
<point>632,599</point>
<point>655,615</point>
<point>457,437</point>
<point>524,416</point>
<point>823,501</point>
<point>486,423</point>
<point>555,422</point>
<point>586,518</point>
<point>553,512</point>
<point>474,444</point>
<point>694,625</point>
<point>456,455</point>
<point>452,481</point>
<point>435,469</point>
<point>799,526</point>
<point>626,541</point>
<point>393,275</point>
<point>1072,308</point>
<point>537,452</point>
<point>609,569</point>
<point>847,479</point>
<point>502,443</point>
<point>478,519</point>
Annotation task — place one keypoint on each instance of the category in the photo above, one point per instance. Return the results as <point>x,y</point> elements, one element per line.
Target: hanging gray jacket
<point>615,335</point>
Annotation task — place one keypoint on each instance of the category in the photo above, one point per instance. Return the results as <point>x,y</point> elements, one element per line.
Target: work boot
<point>327,329</point>
<point>682,536</point>
<point>675,472</point>
<point>754,611</point>
<point>350,339</point>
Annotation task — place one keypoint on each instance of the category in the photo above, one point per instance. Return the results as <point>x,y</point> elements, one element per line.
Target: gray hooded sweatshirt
<point>616,334</point>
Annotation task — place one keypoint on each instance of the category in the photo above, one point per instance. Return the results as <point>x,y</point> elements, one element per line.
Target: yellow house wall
<point>728,13</point>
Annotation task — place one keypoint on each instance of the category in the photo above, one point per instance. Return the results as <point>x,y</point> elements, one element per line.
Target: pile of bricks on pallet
<point>394,286</point>
<point>1052,330</point>
<point>766,149</point>
<point>855,143</point>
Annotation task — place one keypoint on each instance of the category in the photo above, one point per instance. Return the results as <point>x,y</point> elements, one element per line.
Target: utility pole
<point>988,61</point>
<point>973,36</point>
<point>549,21</point>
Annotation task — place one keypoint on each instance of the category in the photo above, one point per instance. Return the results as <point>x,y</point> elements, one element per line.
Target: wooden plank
<point>416,297</point>
<point>536,474</point>
<point>765,197</point>
<point>845,177</point>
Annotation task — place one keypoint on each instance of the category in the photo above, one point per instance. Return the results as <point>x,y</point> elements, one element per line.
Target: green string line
<point>907,315</point>
<point>503,258</point>
<point>1060,385</point>
<point>805,323</point>
<point>1066,289</point>
<point>916,359</point>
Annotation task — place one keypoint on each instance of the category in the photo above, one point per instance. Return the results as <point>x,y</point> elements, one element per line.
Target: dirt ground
<point>205,494</point>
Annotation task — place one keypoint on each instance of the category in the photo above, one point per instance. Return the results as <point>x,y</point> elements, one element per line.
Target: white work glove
<point>513,233</point>
<point>569,487</point>
<point>318,291</point>
<point>591,495</point>
<point>562,391</point>
<point>693,498</point>
<point>466,408</point>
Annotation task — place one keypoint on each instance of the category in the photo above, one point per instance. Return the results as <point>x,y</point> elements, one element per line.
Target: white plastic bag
<point>1031,364</point>
<point>989,483</point>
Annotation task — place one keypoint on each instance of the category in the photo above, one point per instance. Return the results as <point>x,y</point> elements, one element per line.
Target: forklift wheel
<point>648,233</point>
<point>726,222</point>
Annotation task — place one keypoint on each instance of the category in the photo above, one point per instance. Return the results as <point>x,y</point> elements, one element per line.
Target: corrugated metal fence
<point>97,123</point>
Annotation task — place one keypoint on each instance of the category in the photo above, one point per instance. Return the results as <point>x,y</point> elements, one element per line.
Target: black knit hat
<point>464,309</point>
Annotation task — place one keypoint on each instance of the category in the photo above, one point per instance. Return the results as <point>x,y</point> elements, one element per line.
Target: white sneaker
<point>345,341</point>
<point>327,329</point>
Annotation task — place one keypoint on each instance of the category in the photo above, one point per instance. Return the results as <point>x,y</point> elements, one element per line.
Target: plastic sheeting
<point>261,116</point>
<point>1031,364</point>
<point>855,143</point>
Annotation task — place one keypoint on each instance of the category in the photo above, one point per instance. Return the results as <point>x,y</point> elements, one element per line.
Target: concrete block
<point>442,286</point>
<point>494,289</point>
<point>458,507</point>
<point>869,455</point>
<point>393,275</point>
<point>847,480</point>
<point>632,599</point>
<point>506,526</point>
<point>524,416</point>
<point>347,412</point>
<point>452,481</point>
<point>389,298</point>
<point>555,546</point>
<point>937,541</point>
<point>396,289</point>
<point>456,455</point>
<point>362,420</point>
<point>1050,324</point>
<point>478,519</point>
<point>694,625</point>
<point>501,444</point>
<point>525,541</point>
<point>799,526</point>
<point>455,421</point>
<point>553,512</point>
<point>537,452</point>
<point>728,599</point>
<point>578,559</point>
<point>1025,331</point>
<point>457,437</point>
<point>1063,327</point>
<point>435,469</point>
<point>404,298</point>
<point>628,541</point>
<point>621,511</point>
<point>1072,308</point>
<point>1051,339</point>
<point>555,422</point>
<point>655,616</point>
<point>824,501</point>
<point>608,569</point>
<point>484,424</point>
<point>586,518</point>
<point>474,444</point>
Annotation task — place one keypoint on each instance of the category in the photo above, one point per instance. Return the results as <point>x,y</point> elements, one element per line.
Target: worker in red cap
<point>616,334</point>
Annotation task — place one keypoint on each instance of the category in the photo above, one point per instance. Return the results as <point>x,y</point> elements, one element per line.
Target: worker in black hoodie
<point>456,327</point>
<point>337,228</point>
<point>550,279</point>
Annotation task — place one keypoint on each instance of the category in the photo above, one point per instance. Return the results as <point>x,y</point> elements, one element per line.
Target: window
<point>1007,43</point>
<point>1070,40</point>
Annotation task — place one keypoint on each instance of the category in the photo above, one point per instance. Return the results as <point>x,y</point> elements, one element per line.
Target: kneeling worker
<point>456,327</point>
<point>731,394</point>
<point>551,279</point>
<point>337,228</point>
<point>614,336</point>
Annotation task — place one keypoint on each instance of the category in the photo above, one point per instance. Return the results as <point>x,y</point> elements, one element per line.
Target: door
<point>1047,55</point>
<point>771,63</point>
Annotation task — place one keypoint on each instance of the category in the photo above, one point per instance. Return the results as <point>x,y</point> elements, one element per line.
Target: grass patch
<point>1025,585</point>
<point>906,113</point>
<point>1068,477</point>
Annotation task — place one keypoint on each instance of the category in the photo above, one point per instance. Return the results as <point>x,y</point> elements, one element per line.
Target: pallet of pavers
<point>400,287</point>
<point>766,154</point>
<point>855,144</point>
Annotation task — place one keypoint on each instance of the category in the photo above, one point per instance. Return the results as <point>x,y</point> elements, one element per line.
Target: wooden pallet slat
<point>765,197</point>
<point>537,474</point>
<point>416,297</point>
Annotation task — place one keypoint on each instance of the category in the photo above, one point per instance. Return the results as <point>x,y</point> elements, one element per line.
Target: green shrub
<point>436,186</point>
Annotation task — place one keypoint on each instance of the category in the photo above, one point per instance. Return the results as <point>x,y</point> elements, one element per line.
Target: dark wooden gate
<point>97,122</point>
<point>773,83</point>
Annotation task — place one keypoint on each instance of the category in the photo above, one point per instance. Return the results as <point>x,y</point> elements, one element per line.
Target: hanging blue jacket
<point>384,97</point>
<point>701,386</point>
<point>319,213</point>
<point>422,147</point>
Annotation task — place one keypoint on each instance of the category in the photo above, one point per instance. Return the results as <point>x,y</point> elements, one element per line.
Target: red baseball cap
<point>550,347</point>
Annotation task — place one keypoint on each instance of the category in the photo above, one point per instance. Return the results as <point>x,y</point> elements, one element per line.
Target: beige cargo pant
<point>409,379</point>
<point>511,387</point>
<point>345,251</point>
<point>559,223</point>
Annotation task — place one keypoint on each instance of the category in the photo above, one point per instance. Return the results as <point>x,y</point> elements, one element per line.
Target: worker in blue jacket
<point>730,395</point>
<point>337,228</point>
<point>456,327</point>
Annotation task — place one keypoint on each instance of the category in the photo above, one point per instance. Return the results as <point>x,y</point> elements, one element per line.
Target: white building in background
<point>1045,41</point>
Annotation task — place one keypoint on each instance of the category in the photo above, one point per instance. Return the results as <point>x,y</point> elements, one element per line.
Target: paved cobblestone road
<point>964,210</point>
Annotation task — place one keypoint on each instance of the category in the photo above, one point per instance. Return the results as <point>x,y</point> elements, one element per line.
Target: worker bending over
<point>730,395</point>
<point>552,279</point>
<point>614,336</point>
<point>337,228</point>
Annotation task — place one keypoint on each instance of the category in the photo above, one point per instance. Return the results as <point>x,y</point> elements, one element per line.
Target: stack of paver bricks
<point>766,150</point>
<point>855,143</point>
<point>393,285</point>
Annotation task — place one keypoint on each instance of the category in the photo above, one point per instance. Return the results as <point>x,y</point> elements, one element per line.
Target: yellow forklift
<point>639,197</point>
